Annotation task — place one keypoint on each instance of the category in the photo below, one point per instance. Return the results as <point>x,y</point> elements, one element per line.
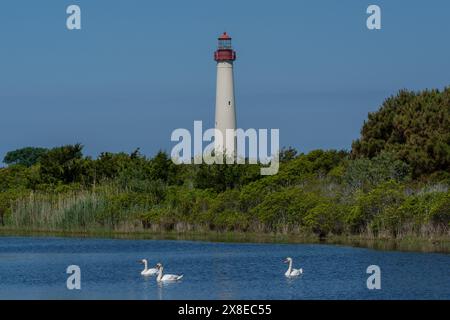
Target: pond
<point>35,268</point>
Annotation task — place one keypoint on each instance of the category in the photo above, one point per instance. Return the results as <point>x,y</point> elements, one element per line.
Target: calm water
<point>35,268</point>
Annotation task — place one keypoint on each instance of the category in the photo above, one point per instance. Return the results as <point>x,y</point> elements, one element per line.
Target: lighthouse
<point>225,104</point>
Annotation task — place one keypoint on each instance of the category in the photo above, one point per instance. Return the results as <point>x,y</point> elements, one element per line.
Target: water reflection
<point>421,245</point>
<point>160,289</point>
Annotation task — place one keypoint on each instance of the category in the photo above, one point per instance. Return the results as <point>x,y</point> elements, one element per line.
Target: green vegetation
<point>394,184</point>
<point>25,156</point>
<point>414,127</point>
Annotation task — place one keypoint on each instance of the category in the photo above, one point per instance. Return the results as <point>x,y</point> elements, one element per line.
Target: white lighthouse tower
<point>225,105</point>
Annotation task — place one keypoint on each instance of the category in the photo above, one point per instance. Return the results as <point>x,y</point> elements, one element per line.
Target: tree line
<point>393,183</point>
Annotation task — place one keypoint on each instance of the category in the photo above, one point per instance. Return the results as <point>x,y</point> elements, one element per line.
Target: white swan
<point>147,271</point>
<point>166,277</point>
<point>291,272</point>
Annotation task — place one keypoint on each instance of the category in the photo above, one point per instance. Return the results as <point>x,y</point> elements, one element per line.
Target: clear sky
<point>139,69</point>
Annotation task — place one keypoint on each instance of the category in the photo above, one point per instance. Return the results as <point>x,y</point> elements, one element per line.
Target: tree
<point>65,164</point>
<point>161,166</point>
<point>414,127</point>
<point>26,156</point>
<point>377,208</point>
<point>364,173</point>
<point>109,165</point>
<point>287,154</point>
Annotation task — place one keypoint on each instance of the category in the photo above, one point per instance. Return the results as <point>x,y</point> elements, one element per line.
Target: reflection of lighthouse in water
<point>225,106</point>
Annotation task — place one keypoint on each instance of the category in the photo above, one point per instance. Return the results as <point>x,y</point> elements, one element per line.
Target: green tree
<point>324,218</point>
<point>364,173</point>
<point>66,165</point>
<point>287,154</point>
<point>377,208</point>
<point>26,156</point>
<point>414,127</point>
<point>109,165</point>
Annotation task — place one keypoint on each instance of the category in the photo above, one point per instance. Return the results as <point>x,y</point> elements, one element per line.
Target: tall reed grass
<point>71,211</point>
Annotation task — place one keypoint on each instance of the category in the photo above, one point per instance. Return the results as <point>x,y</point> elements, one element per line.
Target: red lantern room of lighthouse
<point>224,51</point>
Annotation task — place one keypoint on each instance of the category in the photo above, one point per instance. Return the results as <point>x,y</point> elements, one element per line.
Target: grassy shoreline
<point>407,244</point>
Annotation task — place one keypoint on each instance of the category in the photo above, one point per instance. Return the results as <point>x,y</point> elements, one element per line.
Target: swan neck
<point>145,265</point>
<point>290,266</point>
<point>160,272</point>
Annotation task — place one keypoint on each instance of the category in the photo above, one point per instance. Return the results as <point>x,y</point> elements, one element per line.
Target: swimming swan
<point>146,271</point>
<point>290,271</point>
<point>166,277</point>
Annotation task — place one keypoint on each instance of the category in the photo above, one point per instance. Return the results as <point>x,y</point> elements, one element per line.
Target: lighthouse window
<point>229,103</point>
<point>225,44</point>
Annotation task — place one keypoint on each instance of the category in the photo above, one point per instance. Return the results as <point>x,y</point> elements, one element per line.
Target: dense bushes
<point>341,196</point>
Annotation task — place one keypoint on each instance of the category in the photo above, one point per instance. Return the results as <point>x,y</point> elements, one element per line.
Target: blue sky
<point>139,69</point>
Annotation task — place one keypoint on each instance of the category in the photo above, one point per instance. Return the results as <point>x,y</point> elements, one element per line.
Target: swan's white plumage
<point>166,277</point>
<point>291,272</point>
<point>148,271</point>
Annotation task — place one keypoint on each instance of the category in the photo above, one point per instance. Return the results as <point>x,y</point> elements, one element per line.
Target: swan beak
<point>285,261</point>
